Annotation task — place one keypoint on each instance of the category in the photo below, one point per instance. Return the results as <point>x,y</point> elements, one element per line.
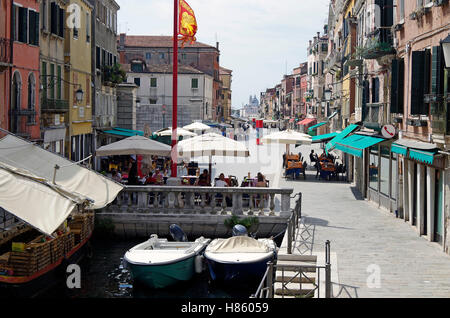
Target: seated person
<point>116,175</point>
<point>221,182</point>
<point>203,179</point>
<point>261,181</point>
<point>159,177</point>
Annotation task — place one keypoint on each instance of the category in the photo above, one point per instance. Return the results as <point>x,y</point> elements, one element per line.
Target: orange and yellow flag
<point>187,24</point>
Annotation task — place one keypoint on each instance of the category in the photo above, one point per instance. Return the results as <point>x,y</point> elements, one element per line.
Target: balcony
<point>373,116</point>
<point>54,105</point>
<point>439,123</point>
<point>378,44</point>
<point>5,54</point>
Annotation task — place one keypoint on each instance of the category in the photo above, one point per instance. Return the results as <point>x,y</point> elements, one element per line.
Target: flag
<point>187,24</point>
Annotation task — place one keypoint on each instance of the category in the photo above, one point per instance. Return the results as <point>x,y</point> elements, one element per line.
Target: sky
<point>258,39</point>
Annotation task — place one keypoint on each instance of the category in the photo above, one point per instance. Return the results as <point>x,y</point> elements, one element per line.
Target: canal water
<point>104,275</point>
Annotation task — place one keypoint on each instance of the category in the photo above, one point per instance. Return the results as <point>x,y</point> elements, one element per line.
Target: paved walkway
<point>368,241</point>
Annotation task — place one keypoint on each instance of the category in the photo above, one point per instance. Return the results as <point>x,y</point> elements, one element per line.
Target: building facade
<point>158,50</point>
<point>226,79</point>
<point>25,83</point>
<point>6,48</point>
<point>78,72</point>
<point>154,94</point>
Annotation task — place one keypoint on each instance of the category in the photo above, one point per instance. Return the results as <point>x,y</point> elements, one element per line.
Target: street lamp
<point>138,103</point>
<point>327,94</point>
<point>79,94</point>
<point>446,48</point>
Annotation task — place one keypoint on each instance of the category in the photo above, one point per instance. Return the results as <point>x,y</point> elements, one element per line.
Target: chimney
<point>318,35</point>
<point>217,46</point>
<point>122,39</point>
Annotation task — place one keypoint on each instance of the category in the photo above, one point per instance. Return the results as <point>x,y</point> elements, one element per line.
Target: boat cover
<point>71,177</point>
<point>238,244</point>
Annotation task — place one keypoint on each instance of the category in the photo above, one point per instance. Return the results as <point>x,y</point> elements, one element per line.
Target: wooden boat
<point>158,263</point>
<point>33,262</point>
<point>239,259</point>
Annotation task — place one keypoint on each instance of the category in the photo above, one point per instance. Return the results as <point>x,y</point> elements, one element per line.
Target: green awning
<point>124,132</point>
<point>422,155</point>
<point>316,126</point>
<point>347,131</point>
<point>355,144</point>
<point>401,150</point>
<point>322,138</point>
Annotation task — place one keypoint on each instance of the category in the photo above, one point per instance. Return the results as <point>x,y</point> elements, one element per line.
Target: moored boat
<point>158,263</point>
<point>239,259</point>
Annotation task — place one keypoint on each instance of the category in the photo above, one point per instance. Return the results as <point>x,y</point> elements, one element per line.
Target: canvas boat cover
<point>237,244</point>
<point>35,200</point>
<point>71,178</point>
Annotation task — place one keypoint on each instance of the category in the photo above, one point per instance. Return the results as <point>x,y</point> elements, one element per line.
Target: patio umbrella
<point>288,137</point>
<point>180,132</point>
<point>209,145</point>
<point>135,145</point>
<point>197,127</point>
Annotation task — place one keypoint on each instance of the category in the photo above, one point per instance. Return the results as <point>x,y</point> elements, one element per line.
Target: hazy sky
<point>259,39</point>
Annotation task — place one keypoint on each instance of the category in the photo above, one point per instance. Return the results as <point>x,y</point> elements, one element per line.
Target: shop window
<point>373,168</point>
<point>384,171</point>
<point>394,179</point>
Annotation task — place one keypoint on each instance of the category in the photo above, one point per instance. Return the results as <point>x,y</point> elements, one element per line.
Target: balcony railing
<point>374,115</point>
<point>378,44</point>
<point>54,105</point>
<point>163,200</point>
<point>5,51</point>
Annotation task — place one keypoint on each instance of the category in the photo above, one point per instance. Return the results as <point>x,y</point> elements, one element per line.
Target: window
<point>161,55</point>
<point>136,67</point>
<point>137,81</point>
<point>373,168</point>
<point>44,14</point>
<point>394,176</point>
<point>52,83</point>
<point>402,9</point>
<point>153,101</point>
<point>194,83</point>
<point>97,58</point>
<point>62,18</point>
<point>44,79</point>
<point>375,90</point>
<point>31,97</point>
<point>384,170</point>
<point>183,56</point>
<point>148,56</point>
<point>153,82</point>
<point>88,28</point>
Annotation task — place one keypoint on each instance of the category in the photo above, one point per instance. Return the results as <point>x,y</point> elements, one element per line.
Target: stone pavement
<point>368,241</point>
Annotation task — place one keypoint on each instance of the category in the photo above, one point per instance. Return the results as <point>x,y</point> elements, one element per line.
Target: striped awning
<point>347,131</point>
<point>399,149</point>
<point>322,138</point>
<point>422,155</point>
<point>124,132</point>
<point>355,144</point>
<point>317,126</point>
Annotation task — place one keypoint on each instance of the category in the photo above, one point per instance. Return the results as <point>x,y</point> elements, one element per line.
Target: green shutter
<point>394,87</point>
<point>417,84</point>
<point>31,26</point>
<point>36,28</point>
<point>401,86</point>
<point>59,83</point>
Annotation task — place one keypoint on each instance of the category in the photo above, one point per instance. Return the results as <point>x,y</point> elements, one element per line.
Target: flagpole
<point>175,90</point>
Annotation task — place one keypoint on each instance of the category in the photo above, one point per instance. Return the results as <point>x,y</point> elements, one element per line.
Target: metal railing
<point>293,222</point>
<point>266,288</point>
<point>54,105</point>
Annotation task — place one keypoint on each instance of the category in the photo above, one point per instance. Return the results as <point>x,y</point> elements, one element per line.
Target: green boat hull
<point>162,276</point>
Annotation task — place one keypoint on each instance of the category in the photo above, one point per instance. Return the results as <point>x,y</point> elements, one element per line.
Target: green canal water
<point>104,275</point>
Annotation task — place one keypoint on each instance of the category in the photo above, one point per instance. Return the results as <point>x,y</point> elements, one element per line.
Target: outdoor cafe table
<point>326,169</point>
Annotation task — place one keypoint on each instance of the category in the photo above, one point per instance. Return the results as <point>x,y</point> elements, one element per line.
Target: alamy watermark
<point>374,278</point>
<point>74,278</point>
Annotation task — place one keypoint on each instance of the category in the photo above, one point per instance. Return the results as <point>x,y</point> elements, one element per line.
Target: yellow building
<point>78,39</point>
<point>225,77</point>
<point>348,27</point>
